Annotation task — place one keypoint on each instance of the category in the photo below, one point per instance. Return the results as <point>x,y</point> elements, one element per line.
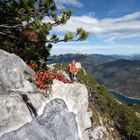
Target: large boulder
<point>76,98</point>
<point>56,123</point>
<point>14,73</point>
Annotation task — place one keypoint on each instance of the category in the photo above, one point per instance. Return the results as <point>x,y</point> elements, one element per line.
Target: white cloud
<point>61,3</point>
<point>117,27</point>
<point>108,30</point>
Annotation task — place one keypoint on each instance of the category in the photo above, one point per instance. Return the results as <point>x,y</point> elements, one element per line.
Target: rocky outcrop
<point>56,123</point>
<point>14,73</point>
<point>61,116</point>
<point>76,98</point>
<point>13,112</point>
<point>71,96</point>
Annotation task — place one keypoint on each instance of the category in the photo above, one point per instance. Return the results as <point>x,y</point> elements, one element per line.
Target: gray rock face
<point>12,73</point>
<point>65,118</point>
<point>56,123</point>
<point>76,98</point>
<point>13,112</point>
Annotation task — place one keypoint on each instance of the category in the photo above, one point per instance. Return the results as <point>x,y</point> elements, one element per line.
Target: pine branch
<point>36,42</point>
<point>10,26</point>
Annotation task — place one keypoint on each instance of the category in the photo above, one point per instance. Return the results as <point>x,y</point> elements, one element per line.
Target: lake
<point>125,99</point>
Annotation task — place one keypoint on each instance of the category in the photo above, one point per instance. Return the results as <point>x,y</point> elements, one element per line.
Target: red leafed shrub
<point>43,79</point>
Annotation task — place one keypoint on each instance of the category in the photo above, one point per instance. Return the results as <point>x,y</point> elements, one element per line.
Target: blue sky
<point>113,26</point>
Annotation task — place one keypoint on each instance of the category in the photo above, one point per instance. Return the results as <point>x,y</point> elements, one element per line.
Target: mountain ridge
<point>121,75</point>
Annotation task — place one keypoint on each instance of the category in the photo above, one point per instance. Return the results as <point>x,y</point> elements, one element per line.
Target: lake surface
<point>125,99</point>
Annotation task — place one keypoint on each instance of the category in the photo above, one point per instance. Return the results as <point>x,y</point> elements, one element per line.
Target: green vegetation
<point>123,116</point>
<point>61,66</point>
<point>136,107</point>
<point>23,32</point>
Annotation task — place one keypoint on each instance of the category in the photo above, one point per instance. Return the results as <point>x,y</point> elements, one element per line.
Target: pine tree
<point>23,32</point>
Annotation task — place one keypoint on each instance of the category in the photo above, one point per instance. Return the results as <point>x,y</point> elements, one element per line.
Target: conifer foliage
<point>23,32</point>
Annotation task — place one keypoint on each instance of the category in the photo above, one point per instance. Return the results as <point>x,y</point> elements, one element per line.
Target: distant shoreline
<point>136,98</point>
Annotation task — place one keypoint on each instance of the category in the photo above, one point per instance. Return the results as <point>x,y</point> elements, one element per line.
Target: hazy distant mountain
<point>94,58</point>
<point>111,70</point>
<point>67,58</point>
<point>121,75</point>
<point>135,57</point>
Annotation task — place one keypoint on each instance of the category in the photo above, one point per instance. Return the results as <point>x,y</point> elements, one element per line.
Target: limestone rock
<point>76,98</point>
<point>14,73</point>
<point>56,123</point>
<point>101,133</point>
<point>67,120</point>
<point>13,112</point>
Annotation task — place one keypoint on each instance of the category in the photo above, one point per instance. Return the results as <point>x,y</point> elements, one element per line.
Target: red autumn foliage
<point>43,79</point>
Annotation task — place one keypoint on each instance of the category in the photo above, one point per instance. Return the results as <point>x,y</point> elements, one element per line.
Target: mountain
<point>135,57</point>
<point>89,59</point>
<point>120,75</point>
<point>66,58</point>
<point>115,57</point>
<point>93,58</point>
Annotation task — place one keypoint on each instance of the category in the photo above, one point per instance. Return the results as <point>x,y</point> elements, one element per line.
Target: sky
<point>113,26</point>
